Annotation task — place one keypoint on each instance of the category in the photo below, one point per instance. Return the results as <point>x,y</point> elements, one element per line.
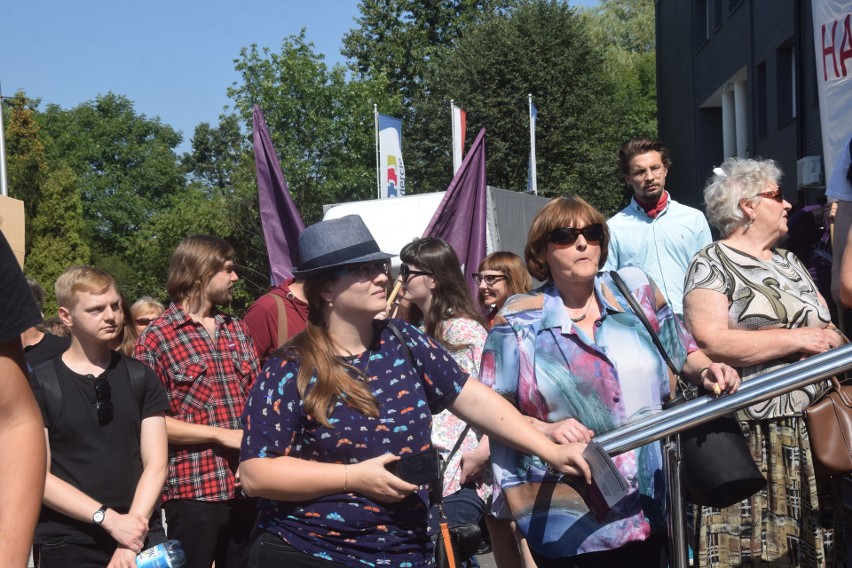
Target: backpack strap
<point>136,373</point>
<point>282,337</point>
<point>45,375</point>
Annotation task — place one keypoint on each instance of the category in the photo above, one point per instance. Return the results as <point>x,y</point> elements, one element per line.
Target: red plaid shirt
<point>207,380</point>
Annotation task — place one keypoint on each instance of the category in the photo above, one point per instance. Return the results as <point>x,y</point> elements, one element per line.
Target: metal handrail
<point>705,408</point>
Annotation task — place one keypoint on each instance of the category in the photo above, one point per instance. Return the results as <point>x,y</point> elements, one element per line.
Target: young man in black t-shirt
<point>106,434</point>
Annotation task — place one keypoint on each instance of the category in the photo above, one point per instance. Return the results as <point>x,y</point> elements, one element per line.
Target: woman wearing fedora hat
<point>346,401</point>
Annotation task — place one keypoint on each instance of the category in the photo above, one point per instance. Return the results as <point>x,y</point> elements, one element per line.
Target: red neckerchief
<point>654,210</point>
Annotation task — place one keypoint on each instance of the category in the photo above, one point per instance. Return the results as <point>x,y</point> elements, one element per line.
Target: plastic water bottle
<point>166,555</point>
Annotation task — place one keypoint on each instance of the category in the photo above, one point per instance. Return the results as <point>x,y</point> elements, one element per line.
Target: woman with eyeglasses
<point>756,307</point>
<point>432,281</point>
<point>345,401</point>
<point>501,274</point>
<point>575,359</point>
<point>144,311</point>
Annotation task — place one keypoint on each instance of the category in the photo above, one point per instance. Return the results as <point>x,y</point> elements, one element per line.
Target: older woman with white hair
<point>755,306</point>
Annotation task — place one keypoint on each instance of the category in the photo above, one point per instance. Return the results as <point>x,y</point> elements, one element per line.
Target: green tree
<point>624,30</point>
<point>216,152</point>
<point>125,163</point>
<point>545,48</point>
<point>25,159</point>
<point>58,227</point>
<point>321,124</point>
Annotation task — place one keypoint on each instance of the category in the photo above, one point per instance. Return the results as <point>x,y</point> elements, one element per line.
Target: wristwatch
<point>99,515</point>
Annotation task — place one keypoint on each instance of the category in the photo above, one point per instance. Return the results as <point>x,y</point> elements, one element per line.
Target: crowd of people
<point>313,432</point>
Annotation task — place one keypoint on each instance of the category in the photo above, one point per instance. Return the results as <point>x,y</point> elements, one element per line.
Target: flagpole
<point>378,166</point>
<point>533,172</point>
<point>4,190</point>
<point>453,136</point>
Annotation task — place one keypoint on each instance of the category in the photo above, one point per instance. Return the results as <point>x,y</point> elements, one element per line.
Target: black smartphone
<point>417,469</point>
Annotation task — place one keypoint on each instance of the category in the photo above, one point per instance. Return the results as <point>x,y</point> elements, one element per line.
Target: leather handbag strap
<point>640,313</point>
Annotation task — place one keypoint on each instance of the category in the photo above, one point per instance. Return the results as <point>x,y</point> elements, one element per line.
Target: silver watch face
<point>98,517</point>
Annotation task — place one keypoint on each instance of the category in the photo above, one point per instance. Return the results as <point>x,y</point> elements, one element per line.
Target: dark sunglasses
<point>568,235</point>
<point>777,195</point>
<point>103,398</point>
<point>490,279</point>
<point>406,272</point>
<point>143,321</point>
<point>366,271</point>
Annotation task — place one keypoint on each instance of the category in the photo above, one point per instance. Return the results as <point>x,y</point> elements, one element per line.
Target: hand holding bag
<point>717,466</point>
<point>829,422</point>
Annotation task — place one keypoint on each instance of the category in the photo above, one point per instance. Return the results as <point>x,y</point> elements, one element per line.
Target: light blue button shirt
<point>663,247</point>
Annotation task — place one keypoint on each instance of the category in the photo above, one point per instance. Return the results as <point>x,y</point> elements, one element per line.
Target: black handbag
<point>717,466</point>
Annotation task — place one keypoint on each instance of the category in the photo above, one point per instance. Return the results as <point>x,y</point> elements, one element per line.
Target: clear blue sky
<point>173,59</point>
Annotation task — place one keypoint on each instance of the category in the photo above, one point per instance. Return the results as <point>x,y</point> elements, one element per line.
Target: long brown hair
<point>315,351</point>
<point>194,263</point>
<point>450,297</point>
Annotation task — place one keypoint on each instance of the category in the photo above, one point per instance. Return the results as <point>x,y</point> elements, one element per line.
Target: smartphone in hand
<point>417,469</point>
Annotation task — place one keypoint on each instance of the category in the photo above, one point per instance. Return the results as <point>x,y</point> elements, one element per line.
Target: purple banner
<point>279,217</point>
<point>461,217</point>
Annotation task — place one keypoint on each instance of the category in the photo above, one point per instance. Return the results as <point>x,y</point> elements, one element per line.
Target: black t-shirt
<point>103,462</point>
<point>18,310</point>
<point>49,347</point>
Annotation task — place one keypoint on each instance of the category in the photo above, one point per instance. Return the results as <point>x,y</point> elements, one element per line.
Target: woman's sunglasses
<point>568,235</point>
<point>776,195</point>
<point>406,273</point>
<point>366,271</point>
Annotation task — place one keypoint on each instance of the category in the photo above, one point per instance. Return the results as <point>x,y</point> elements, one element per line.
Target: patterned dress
<point>446,426</point>
<point>552,371</point>
<point>792,522</point>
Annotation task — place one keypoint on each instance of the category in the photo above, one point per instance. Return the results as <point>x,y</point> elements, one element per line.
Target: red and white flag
<point>459,131</point>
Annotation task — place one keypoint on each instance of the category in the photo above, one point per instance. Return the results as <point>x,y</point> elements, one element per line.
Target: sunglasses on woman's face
<point>406,273</point>
<point>776,195</point>
<point>366,271</point>
<point>568,235</point>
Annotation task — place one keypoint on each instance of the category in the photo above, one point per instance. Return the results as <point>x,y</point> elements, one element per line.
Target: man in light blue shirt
<point>654,232</point>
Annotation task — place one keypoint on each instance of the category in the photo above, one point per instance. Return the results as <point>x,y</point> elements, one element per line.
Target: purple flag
<point>279,217</point>
<point>460,218</point>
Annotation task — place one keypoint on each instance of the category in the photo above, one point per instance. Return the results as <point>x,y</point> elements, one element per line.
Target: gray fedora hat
<point>335,243</point>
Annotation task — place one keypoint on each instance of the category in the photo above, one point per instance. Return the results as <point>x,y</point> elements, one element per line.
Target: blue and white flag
<point>391,167</point>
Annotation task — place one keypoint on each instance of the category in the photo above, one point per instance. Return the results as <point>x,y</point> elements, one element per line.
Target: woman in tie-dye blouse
<point>344,399</point>
<point>573,357</point>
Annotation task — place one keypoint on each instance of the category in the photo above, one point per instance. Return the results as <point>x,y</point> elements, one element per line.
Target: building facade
<point>738,78</point>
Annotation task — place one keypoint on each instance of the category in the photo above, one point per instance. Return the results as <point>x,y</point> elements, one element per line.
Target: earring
<point>330,304</point>
<point>747,225</point>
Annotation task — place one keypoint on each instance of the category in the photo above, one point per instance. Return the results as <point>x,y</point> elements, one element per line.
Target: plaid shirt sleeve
<point>207,380</point>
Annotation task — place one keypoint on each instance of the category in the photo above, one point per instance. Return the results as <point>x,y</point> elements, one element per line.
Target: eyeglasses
<point>143,321</point>
<point>406,273</point>
<point>366,271</point>
<point>103,397</point>
<point>568,235</point>
<point>490,279</point>
<point>776,195</point>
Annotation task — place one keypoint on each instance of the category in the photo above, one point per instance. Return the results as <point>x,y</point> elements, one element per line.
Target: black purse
<point>717,466</point>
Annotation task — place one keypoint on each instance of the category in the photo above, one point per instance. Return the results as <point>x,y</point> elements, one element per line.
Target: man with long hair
<point>207,361</point>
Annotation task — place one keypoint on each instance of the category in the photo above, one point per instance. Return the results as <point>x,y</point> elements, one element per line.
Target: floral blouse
<point>552,371</point>
<point>446,426</point>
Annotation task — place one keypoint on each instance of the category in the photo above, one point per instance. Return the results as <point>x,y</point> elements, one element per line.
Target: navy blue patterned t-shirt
<point>350,528</point>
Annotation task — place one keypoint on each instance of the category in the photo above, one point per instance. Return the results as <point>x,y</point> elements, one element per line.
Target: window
<point>761,99</point>
<point>786,83</point>
<point>702,22</point>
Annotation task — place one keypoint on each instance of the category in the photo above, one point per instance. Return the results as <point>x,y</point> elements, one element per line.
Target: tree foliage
<point>58,232</point>
<point>321,124</point>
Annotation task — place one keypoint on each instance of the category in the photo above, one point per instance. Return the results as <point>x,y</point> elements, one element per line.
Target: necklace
<point>582,317</point>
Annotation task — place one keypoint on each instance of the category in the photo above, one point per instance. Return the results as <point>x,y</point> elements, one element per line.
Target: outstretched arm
<point>22,469</point>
